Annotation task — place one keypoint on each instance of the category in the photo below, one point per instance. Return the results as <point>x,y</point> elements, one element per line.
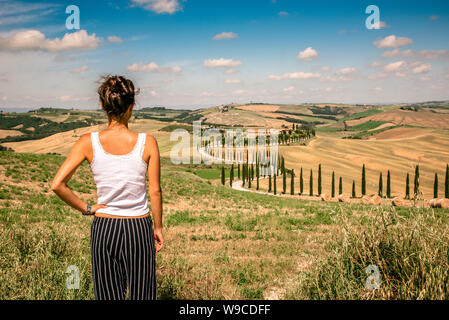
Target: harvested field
<point>259,108</point>
<point>399,133</point>
<point>9,133</point>
<point>411,118</point>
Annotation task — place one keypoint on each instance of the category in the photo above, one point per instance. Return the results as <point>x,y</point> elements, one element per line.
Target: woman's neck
<point>116,125</point>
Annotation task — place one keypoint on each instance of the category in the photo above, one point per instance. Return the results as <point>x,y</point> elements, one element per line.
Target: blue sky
<point>197,53</point>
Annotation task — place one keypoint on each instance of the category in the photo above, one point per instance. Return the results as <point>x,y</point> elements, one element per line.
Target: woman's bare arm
<point>154,177</point>
<point>59,185</point>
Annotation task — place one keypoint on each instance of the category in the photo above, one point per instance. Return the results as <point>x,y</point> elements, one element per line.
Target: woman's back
<point>120,178</point>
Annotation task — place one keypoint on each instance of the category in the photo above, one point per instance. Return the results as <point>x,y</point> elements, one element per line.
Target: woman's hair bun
<point>117,94</point>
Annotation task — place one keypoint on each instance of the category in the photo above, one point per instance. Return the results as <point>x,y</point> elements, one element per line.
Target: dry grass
<point>7,133</point>
<point>220,243</point>
<point>402,117</point>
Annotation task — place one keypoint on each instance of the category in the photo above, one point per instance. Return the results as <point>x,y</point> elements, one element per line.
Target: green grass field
<point>362,114</point>
<point>222,243</point>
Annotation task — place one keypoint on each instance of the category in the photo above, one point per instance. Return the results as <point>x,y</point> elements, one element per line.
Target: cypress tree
<point>292,185</point>
<point>223,178</point>
<point>380,192</point>
<point>388,185</point>
<point>269,183</point>
<point>243,174</point>
<point>301,183</point>
<point>257,175</point>
<point>363,181</point>
<point>282,165</point>
<point>333,184</point>
<point>319,179</point>
<point>311,183</point>
<point>435,186</point>
<point>274,184</point>
<point>249,177</point>
<point>340,186</point>
<point>252,171</point>
<point>416,187</point>
<point>284,181</point>
<point>353,189</point>
<point>407,186</point>
<point>446,183</point>
<point>231,175</point>
<point>238,170</point>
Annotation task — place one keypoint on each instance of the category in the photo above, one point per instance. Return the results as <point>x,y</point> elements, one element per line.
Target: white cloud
<point>396,53</point>
<point>308,54</point>
<point>80,70</point>
<point>296,75</point>
<point>346,71</point>
<point>231,71</point>
<point>393,42</point>
<point>423,68</point>
<point>115,39</point>
<point>35,40</point>
<point>283,13</point>
<point>153,67</point>
<point>378,89</point>
<point>15,12</point>
<point>233,81</point>
<point>289,89</point>
<point>376,64</point>
<point>434,17</point>
<point>221,63</point>
<point>225,35</point>
<point>341,75</point>
<point>159,6</point>
<point>433,54</point>
<point>325,68</point>
<point>398,66</point>
<point>4,98</point>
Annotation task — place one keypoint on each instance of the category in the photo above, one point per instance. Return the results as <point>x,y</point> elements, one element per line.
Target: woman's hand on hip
<point>158,239</point>
<point>96,207</point>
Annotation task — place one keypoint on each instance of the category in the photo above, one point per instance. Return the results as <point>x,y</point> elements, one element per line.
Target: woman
<point>122,234</point>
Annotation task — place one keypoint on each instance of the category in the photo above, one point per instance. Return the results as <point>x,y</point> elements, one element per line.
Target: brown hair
<point>117,94</point>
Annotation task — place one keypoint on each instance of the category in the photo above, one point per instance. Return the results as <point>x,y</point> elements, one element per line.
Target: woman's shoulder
<point>150,141</point>
<point>85,137</point>
<point>85,141</point>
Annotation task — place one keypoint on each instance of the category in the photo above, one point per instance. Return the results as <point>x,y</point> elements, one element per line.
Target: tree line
<point>250,174</point>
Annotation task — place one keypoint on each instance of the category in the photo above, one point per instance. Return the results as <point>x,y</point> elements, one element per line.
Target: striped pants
<point>123,259</point>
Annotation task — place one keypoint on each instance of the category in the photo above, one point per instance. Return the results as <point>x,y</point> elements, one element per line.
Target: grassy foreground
<point>222,243</point>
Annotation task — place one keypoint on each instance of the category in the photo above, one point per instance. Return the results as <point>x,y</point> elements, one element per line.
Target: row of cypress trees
<point>251,172</point>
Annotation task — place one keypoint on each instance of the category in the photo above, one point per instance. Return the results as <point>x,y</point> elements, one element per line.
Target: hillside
<point>222,243</point>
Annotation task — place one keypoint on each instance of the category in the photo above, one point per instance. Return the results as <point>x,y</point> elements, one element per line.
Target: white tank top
<point>120,179</point>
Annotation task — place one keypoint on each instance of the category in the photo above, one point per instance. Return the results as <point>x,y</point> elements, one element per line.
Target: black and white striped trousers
<point>123,257</point>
